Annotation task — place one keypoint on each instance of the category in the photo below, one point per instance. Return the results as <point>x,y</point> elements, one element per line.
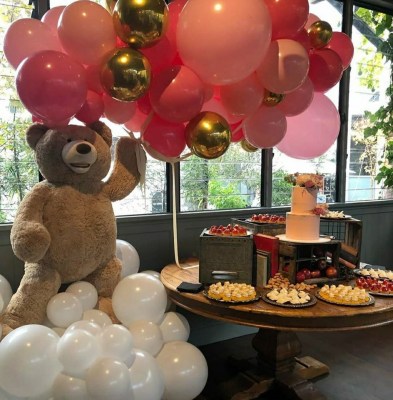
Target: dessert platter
<point>278,281</point>
<point>375,286</point>
<point>374,273</point>
<point>267,219</point>
<point>335,215</point>
<point>290,298</point>
<point>233,293</point>
<point>345,295</point>
<point>228,230</point>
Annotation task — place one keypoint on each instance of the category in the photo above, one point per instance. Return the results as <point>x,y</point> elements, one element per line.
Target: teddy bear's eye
<point>69,140</point>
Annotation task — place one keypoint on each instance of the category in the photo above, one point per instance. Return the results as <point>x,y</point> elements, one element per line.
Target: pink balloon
<point>136,122</point>
<point>174,9</point>
<point>161,55</point>
<point>52,16</point>
<point>51,85</point>
<point>237,132</point>
<point>285,66</point>
<point>311,133</point>
<point>177,94</point>
<point>288,17</point>
<point>118,111</point>
<point>92,109</point>
<point>303,38</point>
<point>215,105</point>
<point>144,104</point>
<point>326,69</point>
<point>27,36</point>
<point>165,137</point>
<point>225,41</point>
<point>244,97</point>
<point>343,46</point>
<point>86,31</point>
<point>265,128</point>
<point>93,76</point>
<point>310,20</point>
<point>296,102</point>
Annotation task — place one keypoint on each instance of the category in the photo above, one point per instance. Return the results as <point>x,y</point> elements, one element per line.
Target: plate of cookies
<point>233,293</point>
<point>290,298</point>
<point>344,295</point>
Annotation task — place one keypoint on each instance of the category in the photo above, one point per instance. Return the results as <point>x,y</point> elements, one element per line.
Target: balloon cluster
<point>195,73</point>
<point>80,354</point>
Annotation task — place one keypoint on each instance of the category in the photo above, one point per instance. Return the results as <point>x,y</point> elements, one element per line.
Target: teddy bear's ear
<point>34,134</point>
<point>103,131</point>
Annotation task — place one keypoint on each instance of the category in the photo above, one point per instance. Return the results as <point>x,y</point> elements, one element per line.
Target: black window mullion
<point>266,177</point>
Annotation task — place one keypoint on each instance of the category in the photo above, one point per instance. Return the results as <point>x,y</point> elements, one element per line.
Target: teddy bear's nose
<point>83,148</point>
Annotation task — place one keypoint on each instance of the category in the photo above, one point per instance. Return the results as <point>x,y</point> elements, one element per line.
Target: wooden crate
<point>226,259</point>
<point>295,256</point>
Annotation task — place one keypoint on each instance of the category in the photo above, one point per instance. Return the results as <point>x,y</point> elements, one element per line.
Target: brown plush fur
<point>65,228</point>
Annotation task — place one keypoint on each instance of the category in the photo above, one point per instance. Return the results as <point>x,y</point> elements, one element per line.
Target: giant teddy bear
<point>65,228</point>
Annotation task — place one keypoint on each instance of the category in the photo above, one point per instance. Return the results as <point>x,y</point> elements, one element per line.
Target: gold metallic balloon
<point>126,73</point>
<point>272,99</point>
<point>140,23</point>
<point>320,33</point>
<point>208,135</point>
<point>248,146</point>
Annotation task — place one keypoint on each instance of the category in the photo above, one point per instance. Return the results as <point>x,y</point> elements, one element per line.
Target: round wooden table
<point>276,341</point>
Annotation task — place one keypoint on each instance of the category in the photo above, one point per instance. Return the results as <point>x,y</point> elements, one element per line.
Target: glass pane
<point>330,11</point>
<point>369,107</point>
<point>231,181</point>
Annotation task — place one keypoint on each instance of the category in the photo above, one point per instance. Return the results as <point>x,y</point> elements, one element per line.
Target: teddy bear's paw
<point>105,305</point>
<point>4,330</point>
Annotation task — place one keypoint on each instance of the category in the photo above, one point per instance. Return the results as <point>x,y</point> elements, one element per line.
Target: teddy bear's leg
<point>28,304</point>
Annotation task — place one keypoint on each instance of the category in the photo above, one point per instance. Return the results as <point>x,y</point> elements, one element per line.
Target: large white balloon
<point>128,256</point>
<point>5,290</point>
<point>109,379</point>
<point>77,350</point>
<point>98,317</point>
<point>85,325</point>
<point>139,296</point>
<point>147,336</point>
<point>147,380</point>
<point>184,368</point>
<point>116,341</point>
<point>85,292</point>
<point>175,327</point>
<point>63,309</point>
<point>68,387</point>
<point>27,356</point>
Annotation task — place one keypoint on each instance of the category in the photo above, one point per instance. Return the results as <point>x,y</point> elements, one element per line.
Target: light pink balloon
<point>343,46</point>
<point>177,94</point>
<point>310,20</point>
<point>288,17</point>
<point>118,111</point>
<point>92,109</point>
<point>27,36</point>
<point>51,85</point>
<point>215,105</point>
<point>93,76</point>
<point>86,31</point>
<point>244,97</point>
<point>223,41</point>
<point>265,128</point>
<point>136,122</point>
<point>165,137</point>
<point>52,16</point>
<point>312,133</point>
<point>285,66</point>
<point>174,9</point>
<point>161,55</point>
<point>296,102</point>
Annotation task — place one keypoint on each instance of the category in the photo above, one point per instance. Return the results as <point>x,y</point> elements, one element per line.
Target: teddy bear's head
<point>72,154</point>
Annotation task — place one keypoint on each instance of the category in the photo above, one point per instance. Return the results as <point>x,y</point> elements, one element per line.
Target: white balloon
<point>129,360</point>
<point>85,325</point>
<point>139,296</point>
<point>175,327</point>
<point>85,292</point>
<point>116,341</point>
<point>109,379</point>
<point>147,380</point>
<point>28,356</point>
<point>128,256</point>
<point>151,272</point>
<point>68,387</point>
<point>98,317</point>
<point>77,350</point>
<point>63,309</point>
<point>2,304</point>
<point>8,396</point>
<point>5,290</point>
<point>184,369</point>
<point>147,336</point>
<point>59,331</point>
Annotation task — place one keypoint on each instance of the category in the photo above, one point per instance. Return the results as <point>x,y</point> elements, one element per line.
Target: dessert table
<point>277,366</point>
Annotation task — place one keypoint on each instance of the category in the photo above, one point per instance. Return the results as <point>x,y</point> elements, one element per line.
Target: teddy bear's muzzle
<point>79,156</point>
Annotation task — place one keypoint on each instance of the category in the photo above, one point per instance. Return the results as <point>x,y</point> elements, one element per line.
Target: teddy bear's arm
<point>125,176</point>
<point>30,239</point>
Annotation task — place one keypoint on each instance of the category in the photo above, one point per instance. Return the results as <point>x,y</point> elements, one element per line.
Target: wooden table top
<point>321,316</point>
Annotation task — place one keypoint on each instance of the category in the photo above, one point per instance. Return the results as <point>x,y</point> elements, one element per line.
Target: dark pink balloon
<point>51,85</point>
<point>161,55</point>
<point>92,109</point>
<point>326,69</point>
<point>51,17</point>
<point>310,20</point>
<point>135,124</point>
<point>312,133</point>
<point>343,46</point>
<point>288,17</point>
<point>165,137</point>
<point>237,132</point>
<point>27,36</point>
<point>265,128</point>
<point>215,105</point>
<point>144,104</point>
<point>177,94</point>
<point>302,38</point>
<point>296,102</point>
<point>118,111</point>
<point>174,10</point>
<point>93,76</point>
